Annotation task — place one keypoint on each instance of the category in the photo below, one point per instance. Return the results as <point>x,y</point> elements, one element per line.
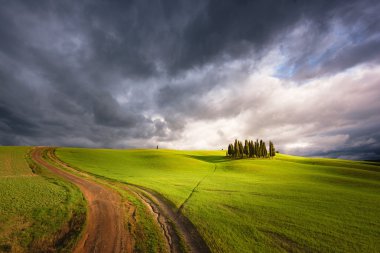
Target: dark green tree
<point>236,148</point>
<point>251,148</point>
<point>272,150</point>
<point>232,150</point>
<point>246,148</point>
<point>257,149</point>
<point>241,149</point>
<point>265,151</point>
<point>261,149</point>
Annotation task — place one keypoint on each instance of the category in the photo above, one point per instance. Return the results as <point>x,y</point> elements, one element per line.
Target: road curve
<point>105,231</point>
<point>174,224</point>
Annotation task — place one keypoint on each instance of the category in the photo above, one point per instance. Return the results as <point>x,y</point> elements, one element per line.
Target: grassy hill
<point>288,204</point>
<point>35,208</point>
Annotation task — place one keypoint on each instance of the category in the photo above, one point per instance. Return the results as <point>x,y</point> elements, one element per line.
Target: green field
<point>288,204</point>
<point>35,208</point>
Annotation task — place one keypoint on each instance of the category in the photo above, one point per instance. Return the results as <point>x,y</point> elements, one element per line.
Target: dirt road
<point>173,222</point>
<point>105,231</point>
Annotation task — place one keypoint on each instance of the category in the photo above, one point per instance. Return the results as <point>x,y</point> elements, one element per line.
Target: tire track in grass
<point>180,234</point>
<point>194,189</point>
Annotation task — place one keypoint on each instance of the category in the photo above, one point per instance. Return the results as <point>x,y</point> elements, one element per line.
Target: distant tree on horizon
<point>272,150</point>
<point>246,148</point>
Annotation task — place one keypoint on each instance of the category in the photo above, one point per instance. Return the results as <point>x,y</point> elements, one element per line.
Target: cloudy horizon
<point>192,74</point>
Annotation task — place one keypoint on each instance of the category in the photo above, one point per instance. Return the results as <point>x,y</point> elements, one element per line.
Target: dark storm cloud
<point>357,144</point>
<point>233,28</point>
<point>15,124</point>
<point>351,36</point>
<point>104,73</point>
<point>365,145</point>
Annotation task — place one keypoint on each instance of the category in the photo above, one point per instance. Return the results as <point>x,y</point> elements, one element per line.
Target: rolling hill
<point>285,204</point>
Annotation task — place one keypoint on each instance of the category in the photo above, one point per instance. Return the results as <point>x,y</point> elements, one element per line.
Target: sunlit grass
<point>256,205</point>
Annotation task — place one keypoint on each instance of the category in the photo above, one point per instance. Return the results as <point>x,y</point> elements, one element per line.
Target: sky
<point>192,74</point>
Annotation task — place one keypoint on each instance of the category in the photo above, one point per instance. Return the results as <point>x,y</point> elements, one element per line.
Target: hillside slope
<point>255,205</point>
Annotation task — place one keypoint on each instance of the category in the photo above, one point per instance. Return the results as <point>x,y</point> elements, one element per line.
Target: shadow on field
<point>209,158</point>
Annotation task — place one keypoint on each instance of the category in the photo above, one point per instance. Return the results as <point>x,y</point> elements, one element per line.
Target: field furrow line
<point>194,189</point>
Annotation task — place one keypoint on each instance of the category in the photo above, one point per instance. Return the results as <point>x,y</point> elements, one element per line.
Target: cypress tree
<point>241,149</point>
<point>265,151</point>
<point>251,148</point>
<point>246,148</point>
<point>261,148</point>
<point>257,148</point>
<point>236,148</point>
<point>272,150</point>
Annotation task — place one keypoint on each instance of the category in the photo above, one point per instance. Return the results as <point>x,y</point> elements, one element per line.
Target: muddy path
<point>180,234</point>
<point>105,231</point>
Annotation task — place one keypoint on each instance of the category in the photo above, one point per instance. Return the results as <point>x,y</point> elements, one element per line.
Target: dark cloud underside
<point>122,73</point>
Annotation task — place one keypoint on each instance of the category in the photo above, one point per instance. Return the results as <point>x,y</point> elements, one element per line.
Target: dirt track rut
<point>172,221</point>
<point>105,230</point>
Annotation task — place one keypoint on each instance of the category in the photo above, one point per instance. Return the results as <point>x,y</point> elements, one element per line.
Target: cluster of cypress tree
<point>257,149</point>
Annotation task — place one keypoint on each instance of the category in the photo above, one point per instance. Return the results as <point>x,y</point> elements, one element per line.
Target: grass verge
<point>39,212</point>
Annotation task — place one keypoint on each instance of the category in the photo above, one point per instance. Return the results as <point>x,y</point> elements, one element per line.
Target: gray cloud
<point>113,73</point>
<point>349,38</point>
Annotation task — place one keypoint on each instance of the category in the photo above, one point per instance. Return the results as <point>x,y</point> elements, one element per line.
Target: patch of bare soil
<point>180,234</point>
<point>105,231</point>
